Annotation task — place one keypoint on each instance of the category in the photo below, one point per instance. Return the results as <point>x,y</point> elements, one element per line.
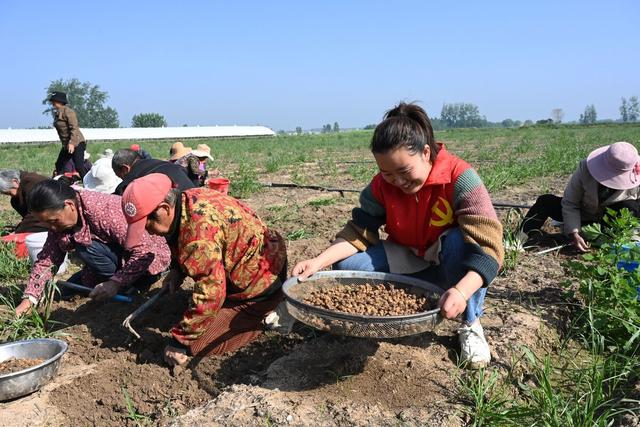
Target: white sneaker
<point>279,320</point>
<point>474,349</point>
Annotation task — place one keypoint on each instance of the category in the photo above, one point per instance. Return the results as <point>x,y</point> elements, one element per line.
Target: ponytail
<point>406,125</point>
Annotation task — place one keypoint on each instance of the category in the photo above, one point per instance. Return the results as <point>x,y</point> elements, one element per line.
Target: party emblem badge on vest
<point>440,218</point>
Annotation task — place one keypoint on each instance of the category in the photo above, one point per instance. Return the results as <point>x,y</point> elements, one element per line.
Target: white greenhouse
<point>16,136</point>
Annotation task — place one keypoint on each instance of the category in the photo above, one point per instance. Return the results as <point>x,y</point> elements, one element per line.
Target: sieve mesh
<point>359,325</point>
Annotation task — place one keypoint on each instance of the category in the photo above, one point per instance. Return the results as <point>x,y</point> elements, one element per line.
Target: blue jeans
<point>445,275</point>
<point>104,260</point>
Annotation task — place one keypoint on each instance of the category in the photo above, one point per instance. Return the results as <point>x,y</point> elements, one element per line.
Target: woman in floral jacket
<point>237,263</point>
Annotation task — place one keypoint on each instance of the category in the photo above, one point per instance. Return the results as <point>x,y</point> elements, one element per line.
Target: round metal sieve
<point>341,323</point>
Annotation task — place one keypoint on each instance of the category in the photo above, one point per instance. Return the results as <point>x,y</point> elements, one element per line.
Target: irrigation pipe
<point>498,205</point>
<point>310,187</point>
<point>502,205</point>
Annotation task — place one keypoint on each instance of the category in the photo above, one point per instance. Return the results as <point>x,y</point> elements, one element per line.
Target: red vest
<point>417,220</point>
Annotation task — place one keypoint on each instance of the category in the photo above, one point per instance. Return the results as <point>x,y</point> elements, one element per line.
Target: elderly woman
<point>608,178</point>
<point>92,224</point>
<point>73,143</point>
<point>18,185</point>
<point>237,263</point>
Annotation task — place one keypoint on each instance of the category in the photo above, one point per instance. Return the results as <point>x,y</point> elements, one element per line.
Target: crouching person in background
<point>237,263</point>
<point>609,178</point>
<point>93,225</point>
<point>18,185</point>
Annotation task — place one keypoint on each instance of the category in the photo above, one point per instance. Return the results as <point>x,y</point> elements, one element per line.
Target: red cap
<point>135,147</point>
<point>140,198</point>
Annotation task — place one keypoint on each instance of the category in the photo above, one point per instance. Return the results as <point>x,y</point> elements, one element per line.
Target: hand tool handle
<point>117,297</point>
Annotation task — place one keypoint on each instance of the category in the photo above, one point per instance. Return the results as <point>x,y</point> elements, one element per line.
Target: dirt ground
<point>305,378</point>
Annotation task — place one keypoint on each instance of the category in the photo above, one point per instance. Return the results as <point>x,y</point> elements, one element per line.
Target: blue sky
<point>290,63</point>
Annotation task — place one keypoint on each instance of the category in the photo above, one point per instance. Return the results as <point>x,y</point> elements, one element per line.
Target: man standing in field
<point>237,263</point>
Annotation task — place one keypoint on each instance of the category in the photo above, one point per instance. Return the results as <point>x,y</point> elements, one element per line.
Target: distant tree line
<point>629,110</point>
<point>328,129</point>
<point>464,115</point>
<point>89,103</point>
<point>148,120</point>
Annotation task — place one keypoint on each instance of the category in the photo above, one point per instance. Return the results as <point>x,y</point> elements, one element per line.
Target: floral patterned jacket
<point>101,219</point>
<point>228,251</point>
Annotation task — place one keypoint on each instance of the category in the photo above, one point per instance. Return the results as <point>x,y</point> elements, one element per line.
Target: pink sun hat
<point>615,166</point>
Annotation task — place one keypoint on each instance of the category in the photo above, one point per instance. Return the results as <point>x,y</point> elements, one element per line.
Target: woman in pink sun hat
<point>608,178</point>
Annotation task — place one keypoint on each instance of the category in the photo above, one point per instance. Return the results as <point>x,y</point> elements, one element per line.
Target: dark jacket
<point>66,123</point>
<point>29,223</point>
<point>145,167</point>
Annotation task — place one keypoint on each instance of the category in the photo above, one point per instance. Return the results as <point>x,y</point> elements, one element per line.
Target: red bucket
<point>219,184</point>
<point>19,239</point>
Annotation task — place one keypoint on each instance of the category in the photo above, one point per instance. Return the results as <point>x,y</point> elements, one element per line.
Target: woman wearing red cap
<point>237,263</point>
<point>142,153</point>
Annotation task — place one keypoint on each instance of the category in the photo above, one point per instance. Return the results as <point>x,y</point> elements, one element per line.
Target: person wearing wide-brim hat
<point>197,164</point>
<point>73,143</point>
<point>178,151</point>
<point>202,151</point>
<point>608,178</point>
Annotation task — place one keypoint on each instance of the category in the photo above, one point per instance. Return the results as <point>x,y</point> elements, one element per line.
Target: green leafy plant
<point>132,412</point>
<point>299,234</point>
<point>325,201</point>
<point>274,164</point>
<point>610,292</point>
<point>245,181</point>
<point>34,324</point>
<point>577,391</point>
<point>487,401</point>
<point>573,388</point>
<point>12,267</point>
<point>512,241</point>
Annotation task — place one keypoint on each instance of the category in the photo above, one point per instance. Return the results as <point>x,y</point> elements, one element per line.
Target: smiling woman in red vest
<point>439,218</point>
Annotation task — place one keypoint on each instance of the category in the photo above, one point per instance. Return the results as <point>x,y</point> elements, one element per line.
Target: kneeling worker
<point>237,263</point>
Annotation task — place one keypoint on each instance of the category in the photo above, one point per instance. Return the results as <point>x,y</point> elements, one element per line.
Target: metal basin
<point>21,383</point>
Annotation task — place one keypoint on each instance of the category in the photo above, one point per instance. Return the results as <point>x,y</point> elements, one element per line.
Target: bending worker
<point>91,224</point>
<point>237,263</point>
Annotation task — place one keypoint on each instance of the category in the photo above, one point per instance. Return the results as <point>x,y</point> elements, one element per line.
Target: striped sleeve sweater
<point>452,196</point>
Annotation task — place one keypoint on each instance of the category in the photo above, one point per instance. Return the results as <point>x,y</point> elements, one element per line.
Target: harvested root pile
<point>370,300</point>
<point>15,365</point>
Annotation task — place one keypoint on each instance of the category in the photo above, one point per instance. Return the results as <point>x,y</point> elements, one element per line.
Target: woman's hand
<point>71,148</point>
<point>306,268</point>
<point>23,307</point>
<point>452,304</point>
<point>175,356</point>
<point>173,280</point>
<point>579,242</point>
<point>105,290</point>
<point>340,249</point>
